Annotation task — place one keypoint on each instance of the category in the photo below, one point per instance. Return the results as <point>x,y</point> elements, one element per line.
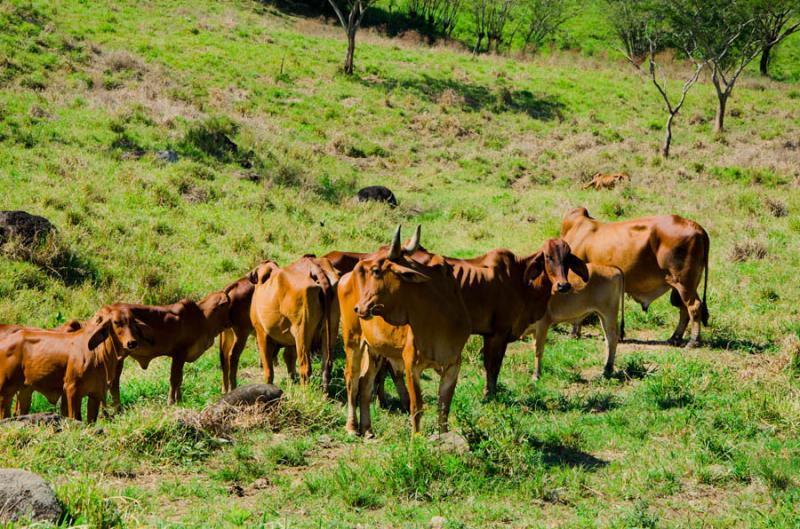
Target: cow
<point>504,293</point>
<point>377,194</point>
<point>233,338</point>
<point>603,294</point>
<point>73,363</point>
<point>428,326</point>
<point>182,331</point>
<point>608,181</point>
<point>295,307</point>
<point>655,254</point>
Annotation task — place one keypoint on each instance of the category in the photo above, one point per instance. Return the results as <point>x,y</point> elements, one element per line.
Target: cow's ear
<point>99,334</point>
<point>261,273</point>
<point>534,268</point>
<point>409,274</point>
<point>577,265</point>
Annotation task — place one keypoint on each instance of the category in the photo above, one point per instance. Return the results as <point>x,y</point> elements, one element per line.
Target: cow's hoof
<point>369,435</point>
<point>608,373</point>
<point>675,341</point>
<point>691,344</point>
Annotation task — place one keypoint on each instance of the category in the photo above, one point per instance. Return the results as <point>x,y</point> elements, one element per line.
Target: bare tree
<point>351,23</point>
<point>774,21</point>
<point>630,19</point>
<point>541,20</point>
<point>491,20</point>
<point>662,87</point>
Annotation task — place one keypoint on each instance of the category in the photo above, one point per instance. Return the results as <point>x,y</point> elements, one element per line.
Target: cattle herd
<point>402,310</point>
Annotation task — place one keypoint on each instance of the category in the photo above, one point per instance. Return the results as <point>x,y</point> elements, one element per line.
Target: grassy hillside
<point>483,152</point>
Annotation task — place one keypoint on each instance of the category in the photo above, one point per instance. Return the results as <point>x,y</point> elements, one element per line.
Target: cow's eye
<point>376,272</point>
<point>117,323</point>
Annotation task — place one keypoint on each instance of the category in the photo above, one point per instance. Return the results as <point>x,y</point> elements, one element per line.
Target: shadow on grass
<point>560,455</point>
<point>478,97</point>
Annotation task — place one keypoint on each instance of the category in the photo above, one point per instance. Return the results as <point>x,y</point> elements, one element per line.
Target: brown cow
<point>607,181</point>
<point>499,296</point>
<point>428,326</point>
<point>603,294</point>
<point>295,307</point>
<point>183,331</point>
<point>233,338</point>
<point>76,363</point>
<point>655,254</point>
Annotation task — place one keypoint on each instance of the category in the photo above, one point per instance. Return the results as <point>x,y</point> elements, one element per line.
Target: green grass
<point>485,152</point>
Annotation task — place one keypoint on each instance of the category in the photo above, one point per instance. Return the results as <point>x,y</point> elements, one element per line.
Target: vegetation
<point>485,151</point>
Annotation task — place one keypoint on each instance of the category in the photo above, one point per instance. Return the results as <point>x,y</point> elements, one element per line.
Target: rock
<point>378,194</point>
<point>24,226</point>
<point>325,441</point>
<point>167,156</point>
<point>252,394</point>
<point>45,419</point>
<point>25,495</point>
<point>451,442</point>
<point>437,522</point>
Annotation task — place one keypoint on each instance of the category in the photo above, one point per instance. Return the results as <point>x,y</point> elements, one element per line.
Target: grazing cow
<point>73,363</point>
<point>504,293</point>
<point>608,181</point>
<point>295,307</point>
<point>428,326</point>
<point>603,294</point>
<point>233,338</point>
<point>377,194</point>
<point>182,331</point>
<point>655,254</point>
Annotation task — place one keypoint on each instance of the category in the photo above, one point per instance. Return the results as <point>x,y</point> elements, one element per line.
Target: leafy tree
<point>492,18</point>
<point>437,15</point>
<point>355,14</point>
<point>630,19</point>
<point>774,21</point>
<point>541,19</point>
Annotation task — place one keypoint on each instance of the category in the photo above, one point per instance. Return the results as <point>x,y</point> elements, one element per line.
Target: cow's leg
<point>414,393</point>
<point>447,386</point>
<point>226,343</point>
<point>5,405</point>
<point>692,307</point>
<point>266,351</point>
<point>399,383</point>
<point>540,338</point>
<point>352,375</point>
<point>23,405</point>
<point>494,350</point>
<point>683,321</point>
<point>92,409</point>
<point>608,320</point>
<point>576,329</point>
<point>73,401</point>
<point>176,378</point>
<point>235,355</point>
<point>332,324</point>
<point>64,406</point>
<point>116,402</point>
<point>303,338</point>
<point>365,395</point>
<point>290,359</point>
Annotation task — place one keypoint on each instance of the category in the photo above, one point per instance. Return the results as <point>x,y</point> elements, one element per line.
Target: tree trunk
<point>719,120</point>
<point>765,58</point>
<point>351,49</point>
<point>478,44</point>
<point>667,137</point>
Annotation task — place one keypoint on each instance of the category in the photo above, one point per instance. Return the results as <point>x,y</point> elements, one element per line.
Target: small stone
<point>325,440</point>
<point>437,522</point>
<point>452,442</point>
<point>167,156</point>
<point>23,495</point>
<point>252,394</point>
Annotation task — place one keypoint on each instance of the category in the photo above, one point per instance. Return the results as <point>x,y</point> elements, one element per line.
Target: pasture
<point>484,152</point>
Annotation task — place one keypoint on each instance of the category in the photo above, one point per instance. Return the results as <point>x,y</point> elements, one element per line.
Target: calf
<point>656,254</point>
<point>233,338</point>
<point>78,363</point>
<point>182,331</point>
<point>607,181</point>
<point>378,194</point>
<point>602,294</point>
<point>295,307</point>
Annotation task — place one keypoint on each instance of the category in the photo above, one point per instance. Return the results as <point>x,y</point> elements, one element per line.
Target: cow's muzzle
<point>366,313</point>
<point>563,287</point>
<point>132,344</point>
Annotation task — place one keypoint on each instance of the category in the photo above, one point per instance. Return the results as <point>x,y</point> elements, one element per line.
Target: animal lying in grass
<point>183,331</point>
<point>78,363</point>
<point>605,181</point>
<point>603,294</point>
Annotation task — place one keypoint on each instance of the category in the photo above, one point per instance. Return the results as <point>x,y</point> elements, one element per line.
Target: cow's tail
<point>703,306</point>
<point>622,307</point>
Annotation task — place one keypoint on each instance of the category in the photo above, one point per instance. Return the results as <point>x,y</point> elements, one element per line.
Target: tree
<point>355,14</point>
<point>662,87</point>
<point>491,19</point>
<point>630,19</point>
<point>436,15</point>
<point>774,21</point>
<point>542,19</point>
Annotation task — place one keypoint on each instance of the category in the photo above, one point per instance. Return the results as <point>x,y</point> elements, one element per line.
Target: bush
<point>214,137</point>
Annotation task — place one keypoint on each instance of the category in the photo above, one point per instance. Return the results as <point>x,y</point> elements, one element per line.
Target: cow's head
<point>260,274</point>
<point>119,322</point>
<point>554,260</point>
<point>382,276</point>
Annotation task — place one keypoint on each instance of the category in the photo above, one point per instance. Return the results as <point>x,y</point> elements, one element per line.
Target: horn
<point>394,251</point>
<point>414,244</point>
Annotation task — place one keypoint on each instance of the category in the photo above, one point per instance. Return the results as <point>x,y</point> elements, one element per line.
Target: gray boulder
<point>252,394</point>
<point>24,226</point>
<point>167,156</point>
<point>451,441</point>
<point>24,495</point>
